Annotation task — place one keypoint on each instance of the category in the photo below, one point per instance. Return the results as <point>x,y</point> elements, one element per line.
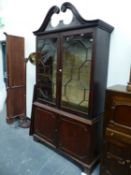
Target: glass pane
<point>76,71</point>
<point>46,69</point>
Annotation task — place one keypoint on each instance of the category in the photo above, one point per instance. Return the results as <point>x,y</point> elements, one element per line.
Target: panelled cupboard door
<point>15,77</point>
<point>74,138</point>
<point>115,159</point>
<point>45,125</point>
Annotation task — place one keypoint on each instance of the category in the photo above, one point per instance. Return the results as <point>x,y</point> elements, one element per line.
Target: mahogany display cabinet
<point>71,76</point>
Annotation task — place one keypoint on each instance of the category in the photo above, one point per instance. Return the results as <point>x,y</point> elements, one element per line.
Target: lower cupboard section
<point>116,159</point>
<point>78,139</point>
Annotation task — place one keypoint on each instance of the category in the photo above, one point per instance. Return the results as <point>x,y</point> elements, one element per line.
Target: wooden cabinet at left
<point>14,76</point>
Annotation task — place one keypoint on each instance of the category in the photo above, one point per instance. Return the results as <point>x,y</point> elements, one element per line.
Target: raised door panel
<point>45,124</point>
<point>121,115</point>
<point>74,138</point>
<point>118,108</point>
<point>115,158</point>
<point>121,106</point>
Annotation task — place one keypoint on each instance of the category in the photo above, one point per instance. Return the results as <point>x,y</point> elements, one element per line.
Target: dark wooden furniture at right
<point>116,158</point>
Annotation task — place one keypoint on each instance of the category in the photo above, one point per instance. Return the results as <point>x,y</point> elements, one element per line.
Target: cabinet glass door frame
<point>79,34</point>
<point>59,68</point>
<point>46,76</point>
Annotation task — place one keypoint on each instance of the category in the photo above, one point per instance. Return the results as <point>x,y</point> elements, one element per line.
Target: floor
<point>21,155</point>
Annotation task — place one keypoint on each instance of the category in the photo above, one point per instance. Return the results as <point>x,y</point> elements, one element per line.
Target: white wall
<point>23,17</point>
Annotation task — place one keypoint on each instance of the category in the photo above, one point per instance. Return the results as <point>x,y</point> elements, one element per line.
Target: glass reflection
<point>46,71</point>
<point>76,71</point>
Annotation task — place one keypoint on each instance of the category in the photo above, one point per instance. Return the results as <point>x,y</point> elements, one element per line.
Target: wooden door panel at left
<point>15,103</point>
<point>15,77</point>
<point>15,60</point>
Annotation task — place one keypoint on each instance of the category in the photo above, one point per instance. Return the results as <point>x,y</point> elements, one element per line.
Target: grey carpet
<point>21,155</point>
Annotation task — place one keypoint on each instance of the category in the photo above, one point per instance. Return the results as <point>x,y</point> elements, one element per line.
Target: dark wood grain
<point>117,132</point>
<point>16,91</point>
